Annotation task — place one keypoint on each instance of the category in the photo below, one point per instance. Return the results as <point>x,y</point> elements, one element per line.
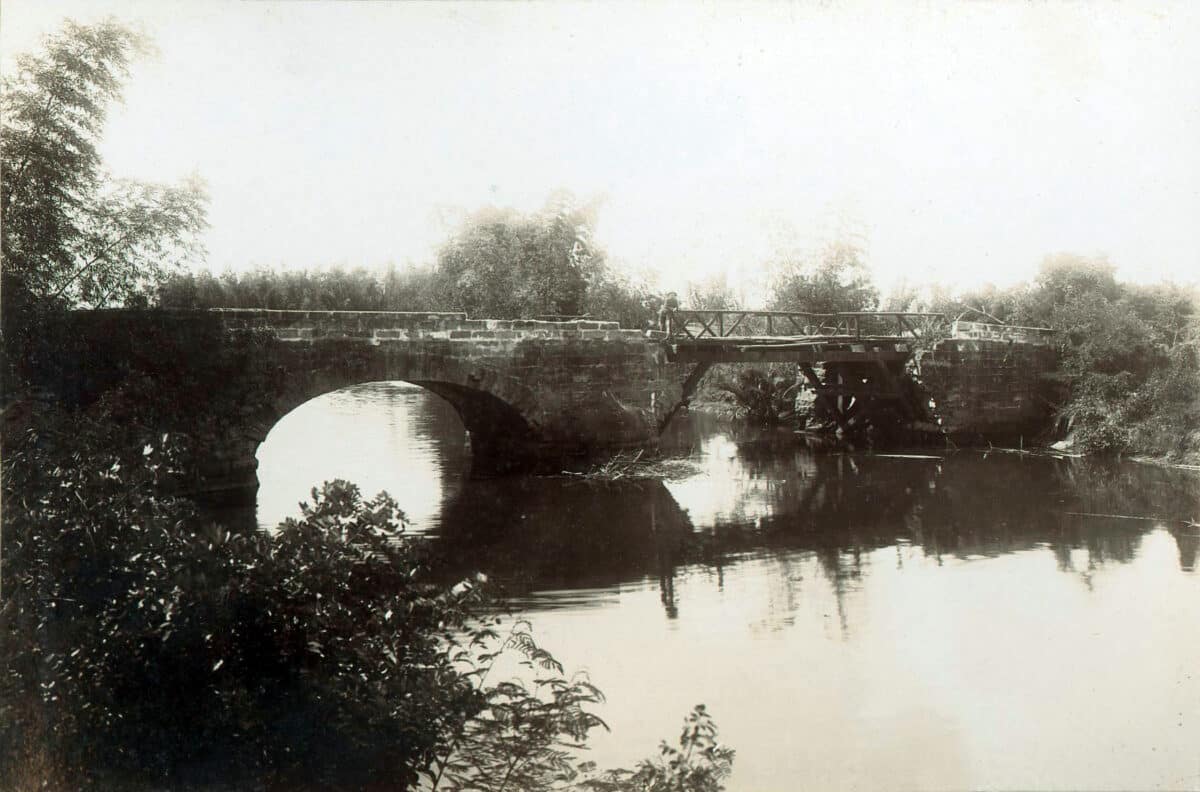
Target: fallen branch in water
<point>623,466</point>
<point>1134,517</point>
<point>1036,451</point>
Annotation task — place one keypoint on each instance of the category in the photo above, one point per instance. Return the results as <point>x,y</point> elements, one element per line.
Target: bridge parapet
<point>988,331</point>
<point>382,326</point>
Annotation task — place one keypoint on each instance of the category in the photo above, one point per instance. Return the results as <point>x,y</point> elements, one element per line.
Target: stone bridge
<point>530,393</point>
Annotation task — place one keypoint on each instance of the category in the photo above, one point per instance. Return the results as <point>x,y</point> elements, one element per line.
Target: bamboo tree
<point>71,233</point>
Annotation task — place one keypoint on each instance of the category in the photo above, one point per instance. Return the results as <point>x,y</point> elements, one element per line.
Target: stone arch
<point>500,412</point>
<point>532,393</point>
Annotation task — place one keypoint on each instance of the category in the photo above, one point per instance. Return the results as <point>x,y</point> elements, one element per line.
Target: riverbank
<point>1192,462</point>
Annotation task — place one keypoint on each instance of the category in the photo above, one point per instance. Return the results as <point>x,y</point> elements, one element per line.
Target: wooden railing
<point>691,323</point>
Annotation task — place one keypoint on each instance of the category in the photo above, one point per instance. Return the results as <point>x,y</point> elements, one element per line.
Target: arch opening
<point>501,439</point>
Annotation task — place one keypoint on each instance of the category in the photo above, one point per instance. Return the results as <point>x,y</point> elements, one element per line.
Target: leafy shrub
<point>699,764</point>
<point>527,735</point>
<point>142,650</point>
<point>763,397</point>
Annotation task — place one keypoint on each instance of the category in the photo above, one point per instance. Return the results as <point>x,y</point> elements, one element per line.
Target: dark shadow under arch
<point>501,438</point>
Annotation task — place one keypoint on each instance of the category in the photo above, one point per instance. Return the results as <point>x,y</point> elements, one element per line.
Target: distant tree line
<point>498,264</point>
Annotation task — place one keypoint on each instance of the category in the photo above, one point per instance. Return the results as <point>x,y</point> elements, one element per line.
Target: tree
<point>712,294</point>
<point>616,296</point>
<point>503,264</point>
<point>1064,275</point>
<point>1167,307</point>
<point>71,233</point>
<point>834,279</point>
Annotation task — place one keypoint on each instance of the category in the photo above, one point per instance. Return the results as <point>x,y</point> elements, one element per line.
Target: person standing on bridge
<point>666,314</point>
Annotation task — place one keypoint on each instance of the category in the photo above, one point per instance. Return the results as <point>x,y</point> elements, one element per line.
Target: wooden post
<point>685,393</point>
<point>840,379</point>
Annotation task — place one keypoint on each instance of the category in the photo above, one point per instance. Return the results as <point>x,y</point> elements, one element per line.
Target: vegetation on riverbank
<point>1129,353</point>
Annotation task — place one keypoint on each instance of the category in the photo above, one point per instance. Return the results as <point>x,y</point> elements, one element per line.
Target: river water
<point>852,621</point>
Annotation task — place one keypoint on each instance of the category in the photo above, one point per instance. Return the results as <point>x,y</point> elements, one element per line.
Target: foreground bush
<point>141,648</point>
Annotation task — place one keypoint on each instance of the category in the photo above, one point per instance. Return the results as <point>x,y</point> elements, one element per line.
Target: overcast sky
<point>963,141</point>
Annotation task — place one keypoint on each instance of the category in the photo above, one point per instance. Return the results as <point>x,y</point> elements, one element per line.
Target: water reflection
<point>763,497</point>
<point>382,436</point>
<point>839,613</point>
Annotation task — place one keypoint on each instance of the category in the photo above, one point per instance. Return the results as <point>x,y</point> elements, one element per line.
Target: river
<point>852,621</point>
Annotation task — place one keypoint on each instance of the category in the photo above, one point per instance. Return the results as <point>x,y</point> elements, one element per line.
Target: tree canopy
<point>834,279</point>
<point>505,264</point>
<point>71,232</point>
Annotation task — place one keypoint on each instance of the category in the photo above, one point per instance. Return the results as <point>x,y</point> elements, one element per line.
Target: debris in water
<point>908,456</point>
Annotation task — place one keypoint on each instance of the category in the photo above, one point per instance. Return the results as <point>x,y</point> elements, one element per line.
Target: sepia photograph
<point>599,397</point>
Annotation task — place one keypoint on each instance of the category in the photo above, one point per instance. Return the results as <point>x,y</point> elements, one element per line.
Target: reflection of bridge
<point>774,500</point>
<point>528,391</point>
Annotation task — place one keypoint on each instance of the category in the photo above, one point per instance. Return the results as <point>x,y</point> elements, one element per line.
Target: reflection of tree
<point>835,509</point>
<point>965,506</point>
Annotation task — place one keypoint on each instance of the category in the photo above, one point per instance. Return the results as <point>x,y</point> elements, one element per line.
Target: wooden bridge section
<point>698,324</point>
<point>853,362</point>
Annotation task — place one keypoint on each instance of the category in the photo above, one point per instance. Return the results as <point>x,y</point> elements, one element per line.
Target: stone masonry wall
<point>1043,336</point>
<point>987,388</point>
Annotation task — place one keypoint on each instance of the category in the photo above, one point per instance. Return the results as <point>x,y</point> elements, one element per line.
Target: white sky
<point>964,141</point>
